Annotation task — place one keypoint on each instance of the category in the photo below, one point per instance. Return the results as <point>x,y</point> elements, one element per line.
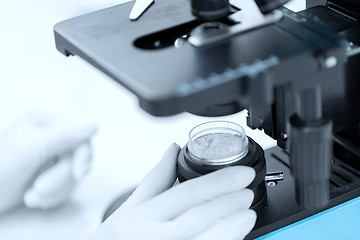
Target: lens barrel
<point>210,9</point>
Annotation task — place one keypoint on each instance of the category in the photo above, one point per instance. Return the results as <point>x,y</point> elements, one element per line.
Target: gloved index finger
<point>193,192</point>
<point>82,158</point>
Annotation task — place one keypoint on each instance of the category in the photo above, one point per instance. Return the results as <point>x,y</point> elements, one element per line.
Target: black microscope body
<point>298,76</point>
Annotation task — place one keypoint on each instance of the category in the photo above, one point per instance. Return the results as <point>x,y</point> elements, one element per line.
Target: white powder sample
<point>217,146</point>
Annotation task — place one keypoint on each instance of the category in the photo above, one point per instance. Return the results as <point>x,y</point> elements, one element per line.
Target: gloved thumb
<point>159,179</point>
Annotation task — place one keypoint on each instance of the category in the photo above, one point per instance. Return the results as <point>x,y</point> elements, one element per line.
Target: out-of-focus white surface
<point>34,76</point>
<point>296,5</point>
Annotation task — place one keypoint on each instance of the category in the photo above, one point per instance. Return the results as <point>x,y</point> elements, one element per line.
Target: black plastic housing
<point>187,169</point>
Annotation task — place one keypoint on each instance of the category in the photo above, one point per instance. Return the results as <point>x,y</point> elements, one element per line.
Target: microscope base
<point>282,217</point>
<point>281,208</point>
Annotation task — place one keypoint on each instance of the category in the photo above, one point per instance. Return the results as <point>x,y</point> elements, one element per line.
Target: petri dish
<point>217,143</point>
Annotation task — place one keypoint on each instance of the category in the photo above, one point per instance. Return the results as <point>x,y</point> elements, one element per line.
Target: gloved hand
<point>214,206</point>
<point>41,160</point>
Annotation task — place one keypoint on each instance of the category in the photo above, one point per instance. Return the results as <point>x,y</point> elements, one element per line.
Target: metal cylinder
<point>310,104</point>
<point>310,156</point>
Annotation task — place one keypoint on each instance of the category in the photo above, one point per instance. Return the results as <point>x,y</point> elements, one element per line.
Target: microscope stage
<point>141,56</point>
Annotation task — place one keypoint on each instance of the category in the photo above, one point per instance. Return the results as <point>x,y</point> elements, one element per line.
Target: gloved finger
<point>82,161</point>
<point>61,139</point>
<point>35,200</point>
<point>53,187</point>
<point>197,219</point>
<point>196,191</point>
<point>159,179</point>
<point>56,178</point>
<point>234,227</point>
<point>39,119</point>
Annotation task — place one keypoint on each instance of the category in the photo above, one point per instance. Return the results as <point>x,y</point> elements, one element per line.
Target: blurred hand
<point>41,161</point>
<point>214,206</point>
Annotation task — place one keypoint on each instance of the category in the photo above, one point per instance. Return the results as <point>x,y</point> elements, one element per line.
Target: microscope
<point>297,75</point>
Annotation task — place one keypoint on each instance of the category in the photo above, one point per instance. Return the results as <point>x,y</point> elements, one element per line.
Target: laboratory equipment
<point>297,74</point>
<point>219,144</point>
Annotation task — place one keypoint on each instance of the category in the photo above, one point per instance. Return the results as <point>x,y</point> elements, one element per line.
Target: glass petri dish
<point>217,143</point>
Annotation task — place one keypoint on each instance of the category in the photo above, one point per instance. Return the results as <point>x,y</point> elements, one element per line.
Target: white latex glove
<point>41,161</point>
<point>214,206</point>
